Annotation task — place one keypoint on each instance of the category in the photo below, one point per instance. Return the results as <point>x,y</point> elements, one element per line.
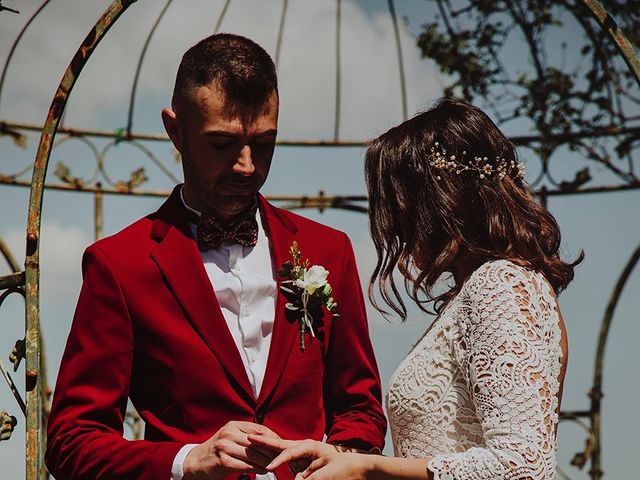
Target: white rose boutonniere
<point>312,279</point>
<point>307,290</point>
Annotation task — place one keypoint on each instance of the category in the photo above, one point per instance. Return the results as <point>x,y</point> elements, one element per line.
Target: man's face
<point>225,158</point>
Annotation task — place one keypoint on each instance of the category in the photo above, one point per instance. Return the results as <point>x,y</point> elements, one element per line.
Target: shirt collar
<point>184,202</point>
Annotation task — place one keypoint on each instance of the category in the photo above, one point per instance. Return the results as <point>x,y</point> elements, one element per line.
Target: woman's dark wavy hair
<point>429,221</point>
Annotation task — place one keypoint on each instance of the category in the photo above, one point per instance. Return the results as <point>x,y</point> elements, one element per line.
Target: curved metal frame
<point>17,41</point>
<point>595,394</point>
<point>134,88</point>
<point>27,282</point>
<point>34,431</point>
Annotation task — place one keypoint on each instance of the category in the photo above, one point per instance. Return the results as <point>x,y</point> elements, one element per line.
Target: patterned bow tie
<point>242,229</point>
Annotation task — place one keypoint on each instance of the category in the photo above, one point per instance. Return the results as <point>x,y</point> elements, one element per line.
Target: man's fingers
<point>230,462</point>
<point>269,442</point>
<point>315,465</point>
<point>266,451</point>
<point>286,456</point>
<point>253,428</point>
<point>237,446</point>
<point>299,465</point>
<point>243,450</point>
<point>257,458</point>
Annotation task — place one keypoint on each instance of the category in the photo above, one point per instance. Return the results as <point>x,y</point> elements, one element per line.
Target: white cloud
<point>60,256</point>
<point>370,79</point>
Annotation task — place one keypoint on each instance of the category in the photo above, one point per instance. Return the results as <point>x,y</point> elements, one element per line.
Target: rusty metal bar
<point>34,433</point>
<point>602,189</point>
<point>97,212</point>
<point>7,9</point>
<point>16,42</point>
<point>596,392</point>
<point>221,17</point>
<point>11,284</point>
<point>134,88</point>
<point>283,16</point>
<point>403,82</point>
<point>12,387</point>
<point>45,397</point>
<point>12,280</point>
<point>155,160</point>
<point>574,414</point>
<point>7,425</point>
<point>86,189</point>
<point>522,140</point>
<point>8,256</point>
<point>624,46</point>
<point>336,126</point>
<point>7,180</point>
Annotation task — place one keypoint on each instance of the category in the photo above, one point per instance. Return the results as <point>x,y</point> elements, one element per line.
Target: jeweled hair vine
<point>446,194</point>
<point>479,165</point>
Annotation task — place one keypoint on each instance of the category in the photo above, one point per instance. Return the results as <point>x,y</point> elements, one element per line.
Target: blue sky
<point>606,226</point>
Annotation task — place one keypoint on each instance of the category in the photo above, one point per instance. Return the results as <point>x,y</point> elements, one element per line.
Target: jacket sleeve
<point>510,352</point>
<point>86,422</point>
<point>352,389</point>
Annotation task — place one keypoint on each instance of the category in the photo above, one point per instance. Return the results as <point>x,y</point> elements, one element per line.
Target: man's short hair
<point>242,69</point>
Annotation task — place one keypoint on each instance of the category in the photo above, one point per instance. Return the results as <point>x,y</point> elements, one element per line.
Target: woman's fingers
<point>235,444</point>
<point>315,465</point>
<point>296,453</point>
<point>257,457</point>
<point>288,455</point>
<point>300,450</point>
<point>267,452</point>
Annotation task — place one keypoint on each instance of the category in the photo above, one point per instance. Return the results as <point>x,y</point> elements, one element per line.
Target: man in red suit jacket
<point>164,316</point>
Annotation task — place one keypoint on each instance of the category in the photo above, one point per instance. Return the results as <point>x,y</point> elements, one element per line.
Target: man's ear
<point>171,125</point>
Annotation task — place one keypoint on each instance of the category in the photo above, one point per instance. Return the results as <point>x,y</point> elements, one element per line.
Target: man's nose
<point>244,163</point>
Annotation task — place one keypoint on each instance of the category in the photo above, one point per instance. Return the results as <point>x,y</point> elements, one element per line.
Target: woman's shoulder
<point>503,272</point>
<point>504,279</point>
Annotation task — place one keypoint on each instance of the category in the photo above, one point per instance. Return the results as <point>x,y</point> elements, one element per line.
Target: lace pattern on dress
<point>479,392</point>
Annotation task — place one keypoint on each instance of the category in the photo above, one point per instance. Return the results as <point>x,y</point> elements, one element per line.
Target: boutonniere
<point>307,290</point>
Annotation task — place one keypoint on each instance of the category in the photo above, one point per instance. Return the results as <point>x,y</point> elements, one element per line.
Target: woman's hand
<point>229,450</point>
<point>297,453</point>
<point>345,466</point>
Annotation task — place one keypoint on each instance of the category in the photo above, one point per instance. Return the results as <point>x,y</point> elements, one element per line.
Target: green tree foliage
<point>569,82</point>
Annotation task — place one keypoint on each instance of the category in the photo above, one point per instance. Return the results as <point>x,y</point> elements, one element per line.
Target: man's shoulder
<point>141,235</point>
<point>308,226</point>
<point>135,236</point>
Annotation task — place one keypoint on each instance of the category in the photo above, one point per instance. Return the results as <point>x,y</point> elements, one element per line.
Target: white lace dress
<point>479,392</point>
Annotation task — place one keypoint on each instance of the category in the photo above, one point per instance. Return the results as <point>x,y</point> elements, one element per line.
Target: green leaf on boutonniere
<point>307,290</point>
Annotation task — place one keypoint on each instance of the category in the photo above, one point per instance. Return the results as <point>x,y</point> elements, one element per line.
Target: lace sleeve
<point>510,354</point>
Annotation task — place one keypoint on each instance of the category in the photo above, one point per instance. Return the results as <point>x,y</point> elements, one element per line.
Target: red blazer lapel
<point>179,260</point>
<point>281,232</point>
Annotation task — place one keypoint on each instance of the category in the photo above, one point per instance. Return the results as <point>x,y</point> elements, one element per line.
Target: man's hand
<point>297,453</point>
<point>229,450</point>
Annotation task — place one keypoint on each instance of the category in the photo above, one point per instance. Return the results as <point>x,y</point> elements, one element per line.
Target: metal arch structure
<point>26,283</point>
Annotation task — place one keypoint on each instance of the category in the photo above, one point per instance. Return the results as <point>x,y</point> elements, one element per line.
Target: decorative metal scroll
<point>29,279</point>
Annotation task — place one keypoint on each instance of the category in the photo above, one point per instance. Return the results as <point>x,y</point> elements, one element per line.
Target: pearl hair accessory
<point>441,161</point>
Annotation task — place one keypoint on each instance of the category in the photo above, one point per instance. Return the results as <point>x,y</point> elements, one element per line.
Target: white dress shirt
<point>244,281</point>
